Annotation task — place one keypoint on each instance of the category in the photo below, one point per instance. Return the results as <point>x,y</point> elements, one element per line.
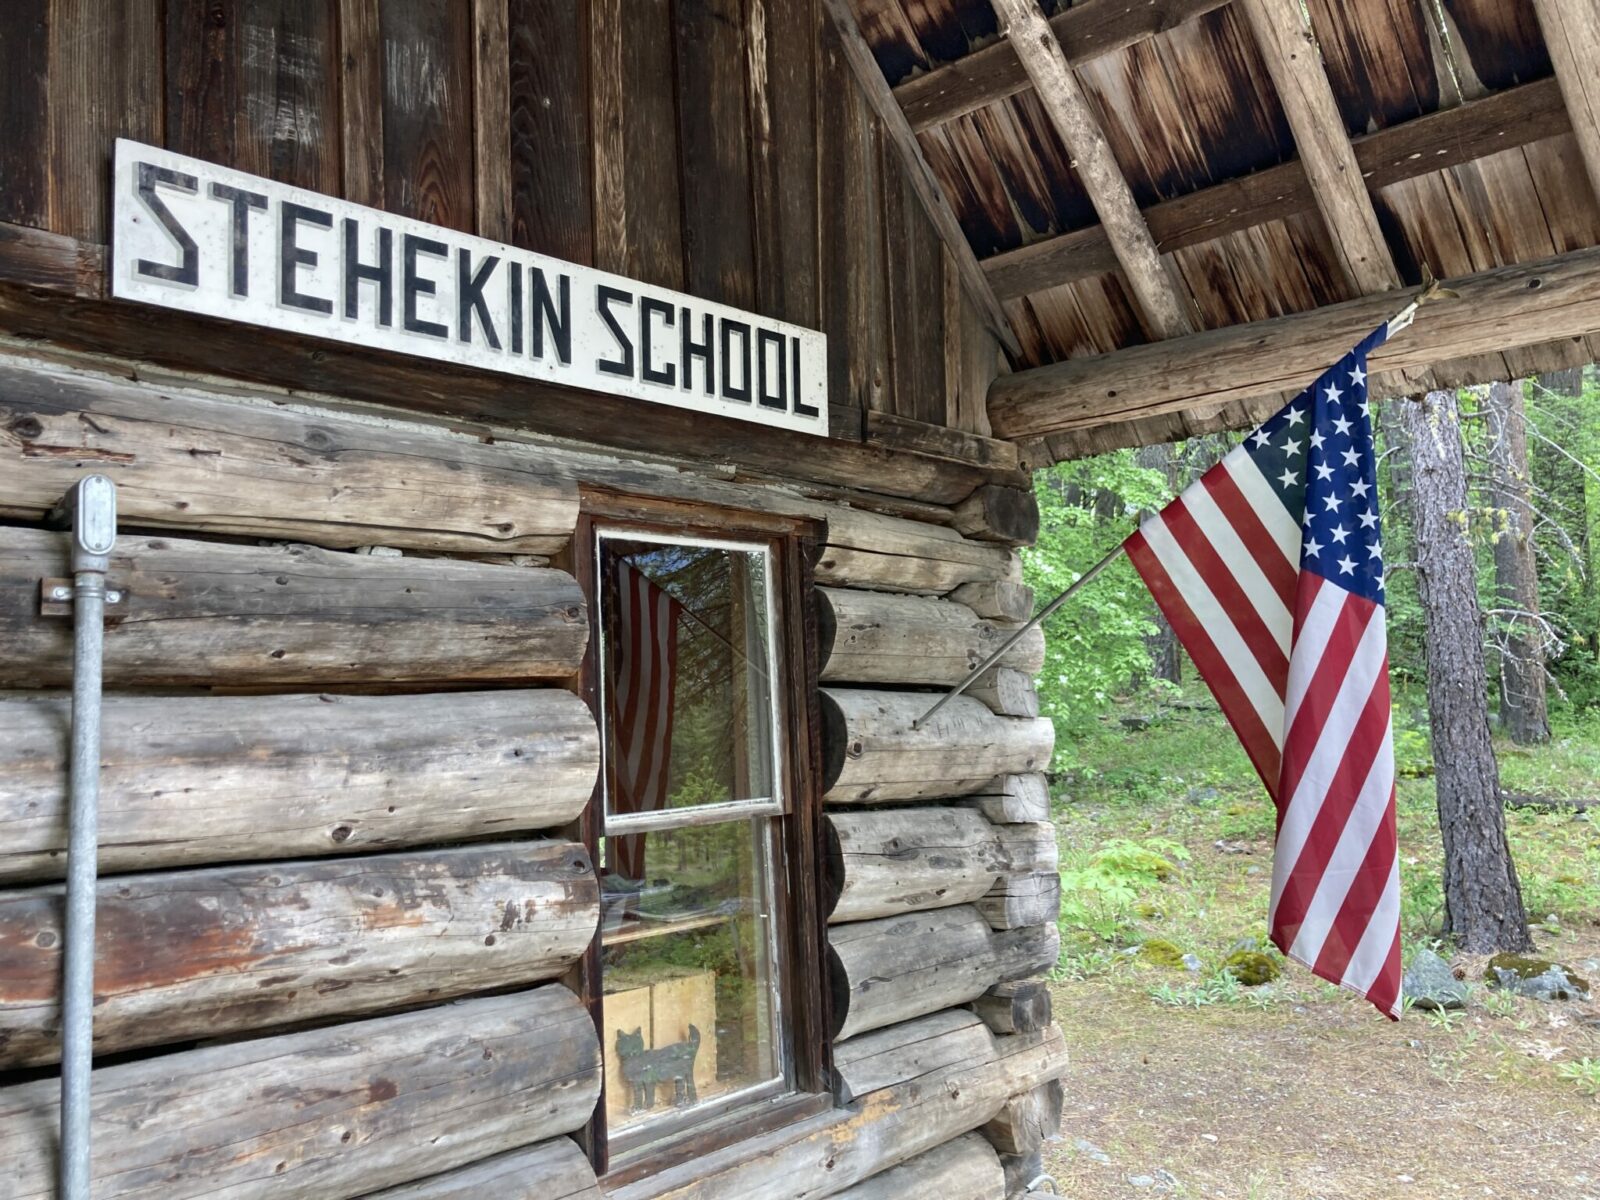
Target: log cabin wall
<point>344,760</point>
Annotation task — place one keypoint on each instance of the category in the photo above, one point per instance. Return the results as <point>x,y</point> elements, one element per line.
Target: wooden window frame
<point>795,544</point>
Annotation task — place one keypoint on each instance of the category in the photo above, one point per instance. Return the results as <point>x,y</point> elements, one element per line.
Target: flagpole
<point>1041,615</point>
<point>1432,290</point>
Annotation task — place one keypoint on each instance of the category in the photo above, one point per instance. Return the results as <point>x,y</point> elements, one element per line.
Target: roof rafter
<point>859,56</point>
<point>1164,306</point>
<point>1086,31</point>
<point>1293,61</point>
<point>1572,33</point>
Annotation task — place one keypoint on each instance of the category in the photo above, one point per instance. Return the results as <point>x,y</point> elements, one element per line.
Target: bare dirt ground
<point>1321,1099</point>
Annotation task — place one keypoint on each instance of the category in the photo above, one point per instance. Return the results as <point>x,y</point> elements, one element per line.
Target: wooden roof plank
<point>859,55</point>
<point>1325,150</point>
<point>1085,31</point>
<point>1402,152</point>
<point>1163,306</point>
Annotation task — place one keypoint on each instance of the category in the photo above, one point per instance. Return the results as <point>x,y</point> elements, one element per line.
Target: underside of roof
<point>1451,109</point>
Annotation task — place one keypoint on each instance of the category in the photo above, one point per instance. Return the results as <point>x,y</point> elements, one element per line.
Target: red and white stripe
<point>1299,666</point>
<point>641,677</point>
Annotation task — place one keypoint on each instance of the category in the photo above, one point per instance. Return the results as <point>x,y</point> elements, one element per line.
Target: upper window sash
<point>773,804</point>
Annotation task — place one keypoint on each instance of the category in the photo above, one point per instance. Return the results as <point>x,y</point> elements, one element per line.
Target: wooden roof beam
<point>1447,138</point>
<point>1086,31</point>
<point>1165,308</point>
<point>859,56</point>
<point>1295,65</point>
<point>1522,305</point>
<point>1572,33</point>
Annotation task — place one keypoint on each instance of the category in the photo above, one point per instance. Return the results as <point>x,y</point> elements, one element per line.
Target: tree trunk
<point>1483,901</point>
<point>1523,712</point>
<point>1166,661</point>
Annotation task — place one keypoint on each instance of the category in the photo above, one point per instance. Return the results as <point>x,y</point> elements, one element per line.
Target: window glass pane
<point>690,1009</point>
<point>688,694</point>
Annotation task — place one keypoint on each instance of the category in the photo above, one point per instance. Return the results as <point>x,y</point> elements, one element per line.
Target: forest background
<point>1201,1084</point>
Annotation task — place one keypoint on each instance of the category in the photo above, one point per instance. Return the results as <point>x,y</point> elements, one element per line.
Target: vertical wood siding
<point>720,147</point>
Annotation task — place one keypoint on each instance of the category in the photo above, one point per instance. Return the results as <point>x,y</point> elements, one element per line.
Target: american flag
<point>1270,570</point>
<point>641,675</point>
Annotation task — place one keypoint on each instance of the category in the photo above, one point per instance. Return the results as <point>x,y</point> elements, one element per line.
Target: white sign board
<point>205,239</point>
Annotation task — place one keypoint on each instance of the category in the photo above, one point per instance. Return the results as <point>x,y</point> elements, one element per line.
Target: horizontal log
<point>1015,799</point>
<point>1000,514</point>
<point>1498,309</point>
<point>871,753</point>
<point>204,461</point>
<point>191,780</point>
<point>899,968</point>
<point>963,1169</point>
<point>1015,1006</point>
<point>941,441</point>
<point>1028,1120</point>
<point>929,1082</point>
<point>201,953</point>
<point>924,1047</point>
<point>325,1114</point>
<point>1449,137</point>
<point>1085,31</point>
<point>877,637</point>
<point>1006,691</point>
<point>882,862</point>
<point>1016,901</point>
<point>209,613</point>
<point>870,550</point>
<point>553,1170</point>
<point>1000,600</point>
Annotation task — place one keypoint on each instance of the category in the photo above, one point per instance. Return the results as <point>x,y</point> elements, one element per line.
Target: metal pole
<point>1041,615</point>
<point>92,504</point>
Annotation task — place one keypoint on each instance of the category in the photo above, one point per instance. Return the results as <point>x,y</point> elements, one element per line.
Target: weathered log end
<point>999,514</point>
<point>1017,1006</point>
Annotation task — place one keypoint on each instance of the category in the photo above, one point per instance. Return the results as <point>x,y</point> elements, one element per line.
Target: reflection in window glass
<point>687,969</point>
<point>692,806</point>
<point>687,675</point>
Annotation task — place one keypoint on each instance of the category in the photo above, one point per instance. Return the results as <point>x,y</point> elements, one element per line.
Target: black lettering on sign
<point>605,297</point>
<point>469,297</point>
<point>380,272</point>
<point>187,270</point>
<point>557,316</point>
<point>801,408</point>
<point>291,256</point>
<point>731,330</point>
<point>414,285</point>
<point>767,340</point>
<point>691,350</point>
<point>514,306</point>
<point>241,201</point>
<point>649,307</point>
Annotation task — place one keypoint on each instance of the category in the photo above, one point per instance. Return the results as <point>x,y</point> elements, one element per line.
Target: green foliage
<point>1585,1072</point>
<point>1159,952</point>
<point>1099,896</point>
<point>1096,644</point>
